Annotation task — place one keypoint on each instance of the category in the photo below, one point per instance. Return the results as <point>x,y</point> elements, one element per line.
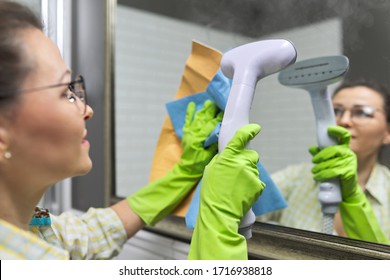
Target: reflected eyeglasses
<point>358,114</point>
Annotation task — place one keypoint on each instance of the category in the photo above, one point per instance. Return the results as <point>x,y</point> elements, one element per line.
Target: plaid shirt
<point>97,234</point>
<point>304,211</point>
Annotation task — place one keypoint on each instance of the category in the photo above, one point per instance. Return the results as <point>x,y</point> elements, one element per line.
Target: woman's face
<point>364,117</point>
<point>48,136</point>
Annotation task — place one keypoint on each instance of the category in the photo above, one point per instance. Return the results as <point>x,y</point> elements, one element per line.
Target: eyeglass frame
<point>69,85</point>
<point>367,116</point>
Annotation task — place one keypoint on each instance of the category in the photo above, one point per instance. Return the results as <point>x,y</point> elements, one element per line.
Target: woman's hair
<point>381,89</point>
<point>14,65</point>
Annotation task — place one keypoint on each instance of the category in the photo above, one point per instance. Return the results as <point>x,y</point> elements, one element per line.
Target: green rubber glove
<point>230,186</point>
<point>360,222</point>
<point>337,161</point>
<point>196,129</point>
<point>358,218</point>
<point>159,198</point>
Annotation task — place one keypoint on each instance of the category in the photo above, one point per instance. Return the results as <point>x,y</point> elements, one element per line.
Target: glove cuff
<point>359,220</point>
<point>159,198</point>
<point>220,232</point>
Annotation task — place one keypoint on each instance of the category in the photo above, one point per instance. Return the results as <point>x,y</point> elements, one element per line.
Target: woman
<point>43,140</point>
<point>362,110</point>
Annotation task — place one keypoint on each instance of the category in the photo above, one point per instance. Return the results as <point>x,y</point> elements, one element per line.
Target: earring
<point>7,155</point>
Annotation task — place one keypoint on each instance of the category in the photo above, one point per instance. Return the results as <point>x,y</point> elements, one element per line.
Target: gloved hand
<point>337,161</point>
<point>230,186</point>
<point>195,131</point>
<point>159,198</point>
<point>340,161</point>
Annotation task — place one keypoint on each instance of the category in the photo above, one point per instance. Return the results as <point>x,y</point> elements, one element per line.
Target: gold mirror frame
<point>272,242</point>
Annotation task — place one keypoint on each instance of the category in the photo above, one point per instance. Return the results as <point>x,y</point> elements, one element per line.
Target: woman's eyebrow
<point>67,72</point>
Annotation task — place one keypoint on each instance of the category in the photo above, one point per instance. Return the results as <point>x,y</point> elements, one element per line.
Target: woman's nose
<point>345,119</point>
<point>88,113</point>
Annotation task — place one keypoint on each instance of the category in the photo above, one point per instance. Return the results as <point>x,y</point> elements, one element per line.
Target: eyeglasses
<point>76,92</point>
<point>358,114</point>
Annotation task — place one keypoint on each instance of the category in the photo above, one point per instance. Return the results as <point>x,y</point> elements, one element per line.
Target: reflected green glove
<point>360,222</point>
<point>159,198</point>
<point>337,161</point>
<point>340,161</point>
<point>230,186</point>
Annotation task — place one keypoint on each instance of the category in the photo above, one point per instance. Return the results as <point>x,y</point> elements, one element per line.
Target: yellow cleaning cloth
<point>200,68</point>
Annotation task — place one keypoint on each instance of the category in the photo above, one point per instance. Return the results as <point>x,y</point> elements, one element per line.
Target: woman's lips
<point>85,141</point>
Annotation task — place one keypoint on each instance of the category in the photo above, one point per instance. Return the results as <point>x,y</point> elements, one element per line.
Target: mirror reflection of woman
<point>362,110</point>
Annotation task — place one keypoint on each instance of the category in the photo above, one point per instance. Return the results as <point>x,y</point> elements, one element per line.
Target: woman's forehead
<point>44,53</point>
<point>359,95</point>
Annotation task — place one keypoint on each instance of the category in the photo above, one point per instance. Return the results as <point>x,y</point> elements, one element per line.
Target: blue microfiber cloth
<point>218,91</point>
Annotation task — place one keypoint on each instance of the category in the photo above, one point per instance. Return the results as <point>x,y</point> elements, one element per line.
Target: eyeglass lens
<point>358,114</point>
<point>77,87</point>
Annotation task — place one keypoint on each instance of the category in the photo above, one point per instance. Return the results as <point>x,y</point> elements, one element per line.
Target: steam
<point>256,18</point>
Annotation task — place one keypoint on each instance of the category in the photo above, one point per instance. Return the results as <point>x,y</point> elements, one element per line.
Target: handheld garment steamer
<point>246,65</point>
<point>314,75</point>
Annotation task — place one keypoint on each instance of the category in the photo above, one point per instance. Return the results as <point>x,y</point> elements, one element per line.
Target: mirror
<point>153,41</point>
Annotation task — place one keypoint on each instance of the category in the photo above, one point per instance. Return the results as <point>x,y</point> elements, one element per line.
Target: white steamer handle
<point>237,115</point>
